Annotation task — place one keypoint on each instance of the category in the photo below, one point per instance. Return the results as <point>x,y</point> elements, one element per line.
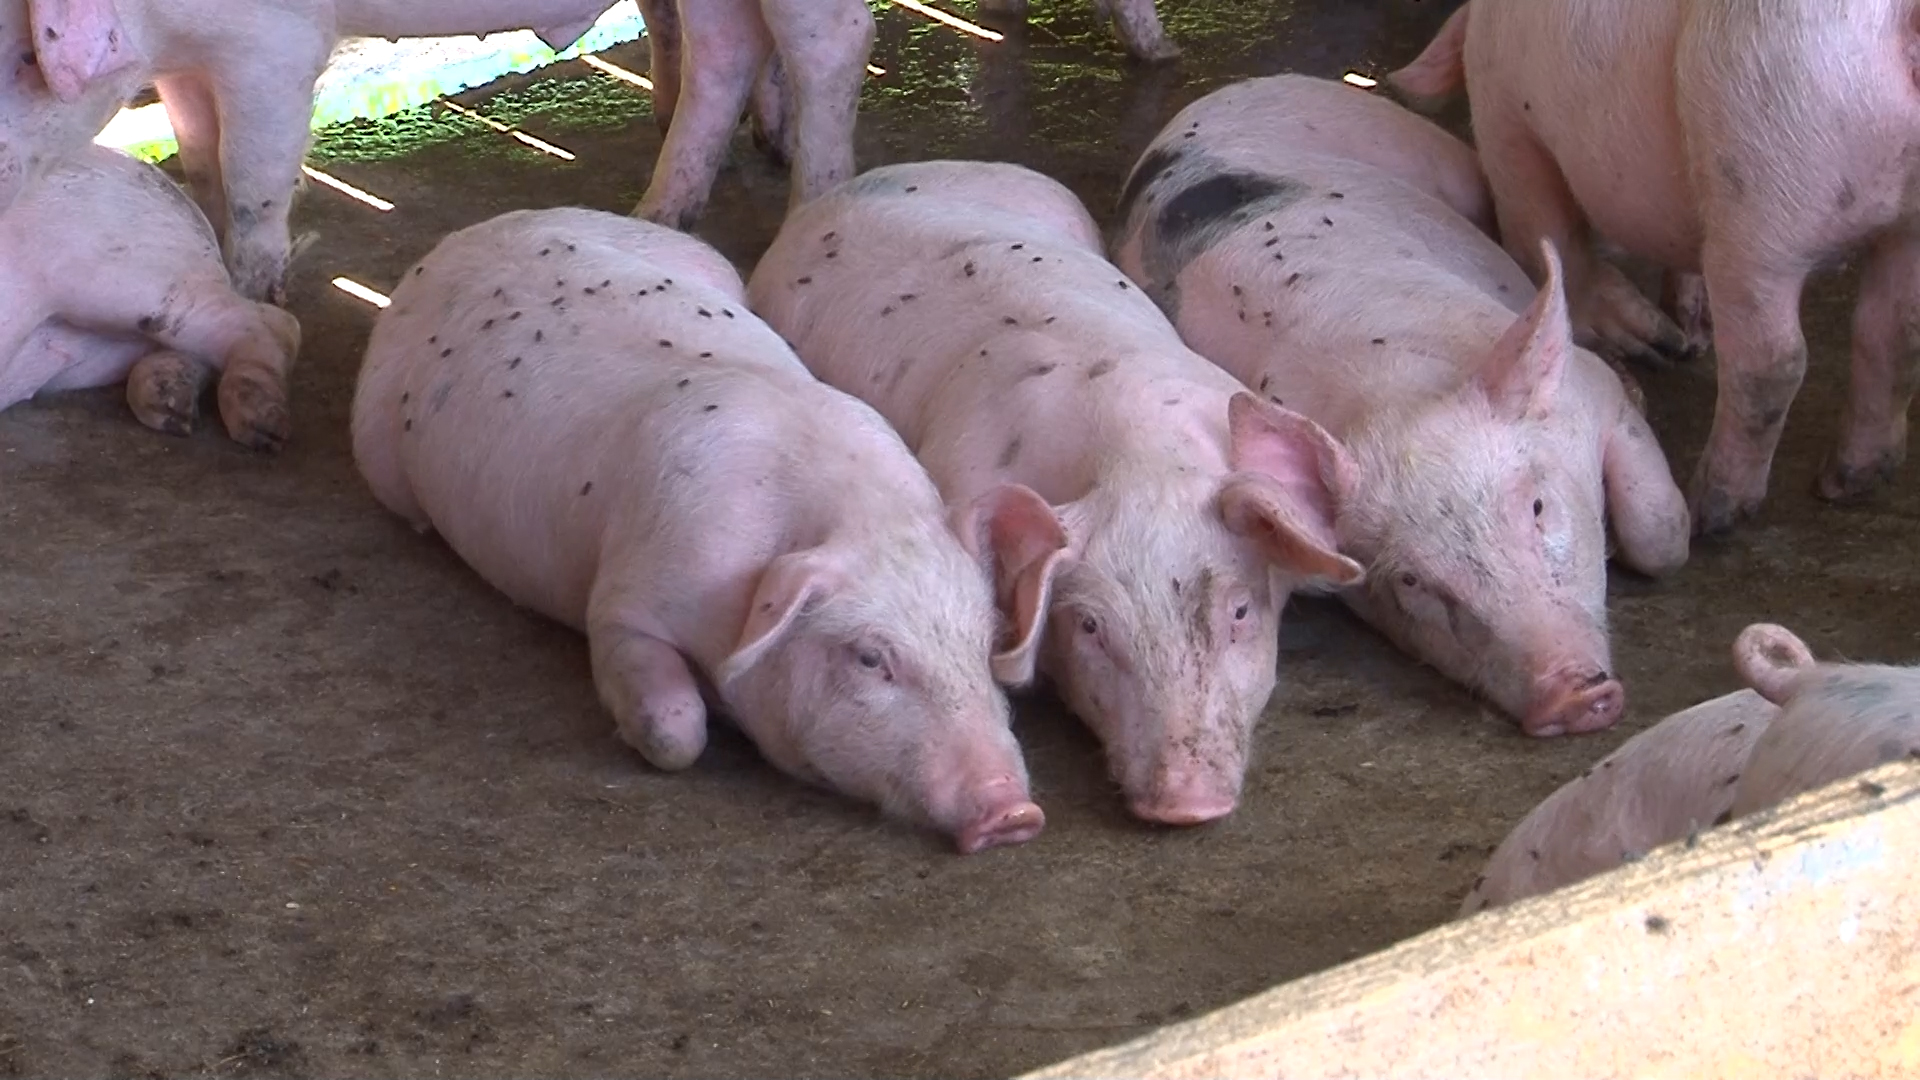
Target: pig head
<point>68,66</point>
<point>1481,516</point>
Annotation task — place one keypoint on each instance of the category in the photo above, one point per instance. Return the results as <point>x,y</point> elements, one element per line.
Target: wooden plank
<point>1786,944</point>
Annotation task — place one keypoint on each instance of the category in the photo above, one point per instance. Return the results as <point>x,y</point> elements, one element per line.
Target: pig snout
<point>1185,794</point>
<point>1003,816</point>
<point>1574,703</point>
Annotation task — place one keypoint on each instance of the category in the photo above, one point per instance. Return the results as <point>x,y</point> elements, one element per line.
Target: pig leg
<point>1140,31</point>
<point>265,106</point>
<point>1762,359</point>
<point>1886,364</point>
<point>1532,202</point>
<point>727,44</point>
<point>164,388</point>
<point>1644,507</point>
<point>663,65</point>
<point>646,684</point>
<point>772,123</point>
<point>825,44</point>
<point>190,107</point>
<point>1684,298</point>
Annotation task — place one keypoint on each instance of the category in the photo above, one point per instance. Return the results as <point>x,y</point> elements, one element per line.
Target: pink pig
<point>1327,248</point>
<point>583,407</point>
<point>238,82</point>
<point>1750,142</point>
<point>968,302</point>
<point>108,272</point>
<point>1800,726</point>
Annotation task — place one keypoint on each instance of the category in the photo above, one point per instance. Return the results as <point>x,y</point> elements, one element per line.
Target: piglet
<point>1798,727</point>
<point>108,272</point>
<point>969,303</point>
<point>583,407</point>
<point>1329,249</point>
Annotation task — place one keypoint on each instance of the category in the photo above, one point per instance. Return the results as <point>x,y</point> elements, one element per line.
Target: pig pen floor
<point>285,790</point>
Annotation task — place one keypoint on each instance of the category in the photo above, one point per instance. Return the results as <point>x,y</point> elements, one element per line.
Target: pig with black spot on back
<point>583,407</point>
<point>969,303</point>
<point>108,272</point>
<point>1329,249</point>
<point>1800,726</point>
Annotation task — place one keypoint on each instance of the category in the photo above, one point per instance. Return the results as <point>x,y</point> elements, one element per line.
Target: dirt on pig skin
<point>285,790</point>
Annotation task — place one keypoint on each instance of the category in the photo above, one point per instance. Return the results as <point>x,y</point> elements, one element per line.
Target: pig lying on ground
<point>1801,726</point>
<point>108,272</point>
<point>1319,243</point>
<point>1137,22</point>
<point>582,406</point>
<point>238,80</point>
<point>1751,142</point>
<point>968,303</point>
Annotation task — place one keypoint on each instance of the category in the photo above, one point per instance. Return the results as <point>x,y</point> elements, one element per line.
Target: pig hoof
<point>1717,512</point>
<point>1005,827</point>
<point>664,749</point>
<point>1840,482</point>
<point>165,396</point>
<point>1183,810</point>
<point>255,413</point>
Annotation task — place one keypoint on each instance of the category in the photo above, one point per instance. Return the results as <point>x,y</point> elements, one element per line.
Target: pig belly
<point>1547,62</point>
<point>80,359</point>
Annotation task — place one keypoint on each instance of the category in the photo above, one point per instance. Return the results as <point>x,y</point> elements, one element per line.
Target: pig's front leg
<point>726,44</point>
<point>823,45</point>
<point>646,684</point>
<point>265,105</point>
<point>1644,506</point>
<point>1886,365</point>
<point>195,117</point>
<point>1140,30</point>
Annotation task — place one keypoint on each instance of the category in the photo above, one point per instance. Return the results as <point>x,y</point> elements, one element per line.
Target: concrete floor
<point>286,790</point>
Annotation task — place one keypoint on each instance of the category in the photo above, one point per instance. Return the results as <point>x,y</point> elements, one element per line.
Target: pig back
<point>544,378</point>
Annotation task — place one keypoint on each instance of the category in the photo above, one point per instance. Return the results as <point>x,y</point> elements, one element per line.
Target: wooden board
<point>1786,944</point>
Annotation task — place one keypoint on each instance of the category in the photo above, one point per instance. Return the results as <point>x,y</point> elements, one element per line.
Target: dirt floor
<point>286,790</point>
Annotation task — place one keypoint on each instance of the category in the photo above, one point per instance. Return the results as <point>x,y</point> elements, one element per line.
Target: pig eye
<point>870,659</point>
<point>1539,507</point>
<point>1409,581</point>
<point>1240,613</point>
<point>1089,624</point>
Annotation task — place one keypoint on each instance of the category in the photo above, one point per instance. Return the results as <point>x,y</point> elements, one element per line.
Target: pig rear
<point>583,407</point>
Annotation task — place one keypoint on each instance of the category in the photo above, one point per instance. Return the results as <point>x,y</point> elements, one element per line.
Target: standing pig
<point>108,272</point>
<point>1748,141</point>
<point>237,82</point>
<point>582,406</point>
<point>968,303</point>
<point>1798,727</point>
<point>1312,239</point>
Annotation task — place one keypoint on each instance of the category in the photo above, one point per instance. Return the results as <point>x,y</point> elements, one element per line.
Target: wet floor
<point>286,790</point>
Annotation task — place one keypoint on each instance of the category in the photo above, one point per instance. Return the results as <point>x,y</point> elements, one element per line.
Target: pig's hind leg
<point>645,683</point>
<point>823,49</point>
<point>1533,201</point>
<point>1886,365</point>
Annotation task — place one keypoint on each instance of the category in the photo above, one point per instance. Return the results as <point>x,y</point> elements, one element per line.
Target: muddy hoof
<point>1842,483</point>
<point>256,414</point>
<point>163,390</point>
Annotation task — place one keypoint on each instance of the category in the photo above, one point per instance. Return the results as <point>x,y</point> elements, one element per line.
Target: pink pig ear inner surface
<point>789,585</point>
<point>1023,543</point>
<point>1522,373</point>
<point>76,42</point>
<point>1293,451</point>
<point>1772,660</point>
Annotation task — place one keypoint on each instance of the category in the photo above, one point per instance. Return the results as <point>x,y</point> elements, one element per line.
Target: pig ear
<point>1291,450</point>
<point>1522,374</point>
<point>1772,659</point>
<point>1293,537</point>
<point>1013,533</point>
<point>76,42</point>
<point>788,586</point>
